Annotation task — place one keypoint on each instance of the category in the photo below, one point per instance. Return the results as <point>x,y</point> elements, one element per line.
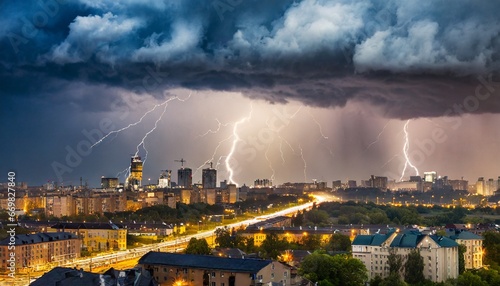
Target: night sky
<point>286,90</point>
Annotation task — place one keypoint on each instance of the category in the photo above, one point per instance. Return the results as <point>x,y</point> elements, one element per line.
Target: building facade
<point>36,251</point>
<point>473,255</point>
<point>96,236</point>
<point>204,270</point>
<point>185,178</point>
<point>439,254</point>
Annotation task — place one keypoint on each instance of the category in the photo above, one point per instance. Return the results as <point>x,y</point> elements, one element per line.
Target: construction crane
<point>182,161</point>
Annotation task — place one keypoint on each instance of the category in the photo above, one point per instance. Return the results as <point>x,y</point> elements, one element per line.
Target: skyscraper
<point>135,177</point>
<point>185,178</point>
<point>164,180</point>
<point>209,178</point>
<point>430,177</point>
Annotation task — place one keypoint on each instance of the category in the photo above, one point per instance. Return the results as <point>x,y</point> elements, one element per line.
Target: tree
<point>353,271</point>
<point>317,267</point>
<point>311,242</point>
<point>461,258</point>
<point>491,244</point>
<point>490,276</point>
<point>298,219</point>
<point>414,267</point>
<point>198,246</point>
<point>227,238</point>
<point>317,216</point>
<point>338,270</point>
<point>395,262</point>
<point>393,280</point>
<point>339,242</point>
<point>470,279</point>
<point>272,246</point>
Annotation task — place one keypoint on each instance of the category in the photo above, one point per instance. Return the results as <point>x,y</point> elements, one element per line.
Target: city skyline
<point>321,90</point>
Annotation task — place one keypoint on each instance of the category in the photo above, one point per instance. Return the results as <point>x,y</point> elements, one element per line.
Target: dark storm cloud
<point>407,58</point>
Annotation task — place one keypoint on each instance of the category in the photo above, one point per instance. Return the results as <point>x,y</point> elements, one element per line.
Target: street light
<point>199,225</point>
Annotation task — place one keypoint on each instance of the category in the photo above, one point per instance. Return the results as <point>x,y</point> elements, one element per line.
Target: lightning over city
<point>236,138</point>
<point>406,149</point>
<point>146,135</point>
<point>378,136</point>
<point>305,163</point>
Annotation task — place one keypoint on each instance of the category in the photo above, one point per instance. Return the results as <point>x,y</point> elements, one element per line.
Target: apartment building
<point>96,236</point>
<point>473,255</point>
<point>440,254</point>
<point>187,269</point>
<point>36,251</point>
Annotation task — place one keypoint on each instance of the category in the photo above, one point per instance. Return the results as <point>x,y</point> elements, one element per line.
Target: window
<point>272,275</point>
<point>213,284</point>
<point>285,274</point>
<point>213,275</point>
<point>222,284</point>
<point>222,275</point>
<point>272,266</point>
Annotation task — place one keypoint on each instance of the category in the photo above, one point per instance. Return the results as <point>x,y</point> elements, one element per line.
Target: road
<point>173,245</point>
<point>128,258</point>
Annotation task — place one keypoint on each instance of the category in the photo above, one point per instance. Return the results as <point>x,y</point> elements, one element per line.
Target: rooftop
<point>62,276</point>
<point>22,239</point>
<point>372,239</point>
<point>464,235</point>
<point>87,225</point>
<point>204,262</point>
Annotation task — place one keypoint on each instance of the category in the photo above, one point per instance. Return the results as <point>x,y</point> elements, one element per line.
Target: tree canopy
<point>338,270</point>
<point>198,246</point>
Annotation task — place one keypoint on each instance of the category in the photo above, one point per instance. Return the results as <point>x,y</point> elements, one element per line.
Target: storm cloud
<point>443,56</point>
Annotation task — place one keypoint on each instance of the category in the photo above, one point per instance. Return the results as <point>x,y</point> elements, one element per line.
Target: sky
<point>293,91</point>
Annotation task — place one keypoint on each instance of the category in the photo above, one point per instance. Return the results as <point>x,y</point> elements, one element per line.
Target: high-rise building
<point>459,184</point>
<point>109,183</point>
<point>135,178</point>
<point>262,183</point>
<point>430,176</point>
<point>336,185</point>
<point>378,182</point>
<point>165,179</point>
<point>480,186</point>
<point>490,187</point>
<point>209,178</point>
<point>351,184</point>
<point>185,178</point>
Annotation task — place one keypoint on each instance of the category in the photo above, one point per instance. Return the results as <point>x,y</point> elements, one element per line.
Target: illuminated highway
<point>178,244</point>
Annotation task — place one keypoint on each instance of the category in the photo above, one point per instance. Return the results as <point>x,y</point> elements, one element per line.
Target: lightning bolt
<point>378,137</point>
<point>147,134</point>
<point>269,161</point>
<point>126,172</point>
<point>282,139</point>
<point>210,131</point>
<point>319,125</point>
<point>281,148</point>
<point>392,158</point>
<point>406,148</point>
<point>213,156</point>
<point>236,139</point>
<point>138,121</point>
<point>305,164</point>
